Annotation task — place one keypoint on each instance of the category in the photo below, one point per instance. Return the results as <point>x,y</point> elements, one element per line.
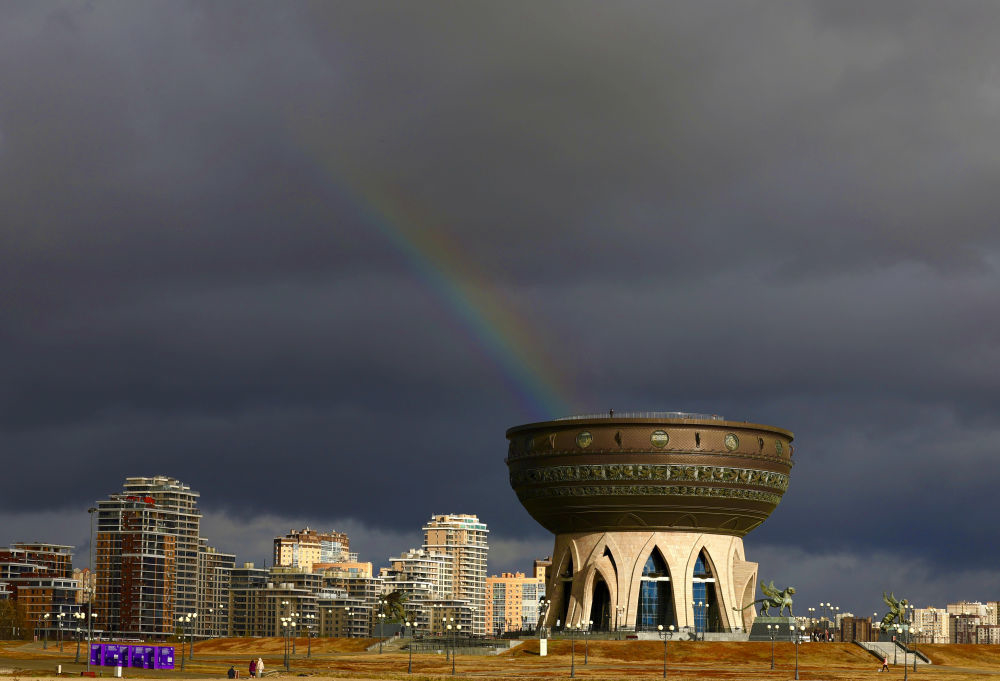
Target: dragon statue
<point>773,599</point>
<point>897,611</point>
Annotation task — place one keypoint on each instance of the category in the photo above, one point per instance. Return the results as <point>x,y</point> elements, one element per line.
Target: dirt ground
<point>595,661</point>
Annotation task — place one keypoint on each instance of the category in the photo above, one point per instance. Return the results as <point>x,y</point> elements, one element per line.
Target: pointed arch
<point>706,597</point>
<point>655,605</point>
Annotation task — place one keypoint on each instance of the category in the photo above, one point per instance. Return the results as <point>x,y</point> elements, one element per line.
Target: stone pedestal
<point>785,627</point>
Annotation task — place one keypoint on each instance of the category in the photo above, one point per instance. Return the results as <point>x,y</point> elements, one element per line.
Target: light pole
<point>180,625</point>
<point>78,616</point>
<point>919,633</point>
<point>666,634</point>
<point>91,580</point>
<point>446,626</point>
<point>771,631</point>
<point>45,631</point>
<point>193,619</point>
<point>284,634</point>
<point>701,605</point>
<point>543,605</point>
<point>409,648</point>
<point>798,641</point>
<point>309,626</point>
<point>572,659</point>
<point>294,623</point>
<point>875,627</point>
<point>59,623</point>
<point>381,618</point>
<point>454,648</point>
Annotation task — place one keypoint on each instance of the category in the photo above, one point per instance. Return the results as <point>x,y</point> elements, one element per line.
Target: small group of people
<point>256,669</point>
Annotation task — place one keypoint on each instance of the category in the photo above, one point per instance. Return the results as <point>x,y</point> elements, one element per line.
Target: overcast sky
<point>314,258</point>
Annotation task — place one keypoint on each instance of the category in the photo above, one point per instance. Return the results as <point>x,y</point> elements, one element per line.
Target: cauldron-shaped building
<point>649,511</point>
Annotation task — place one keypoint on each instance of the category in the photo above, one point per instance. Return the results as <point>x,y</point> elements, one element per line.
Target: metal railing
<point>644,415</point>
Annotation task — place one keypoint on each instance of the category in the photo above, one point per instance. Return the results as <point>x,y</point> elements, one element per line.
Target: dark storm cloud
<point>783,212</point>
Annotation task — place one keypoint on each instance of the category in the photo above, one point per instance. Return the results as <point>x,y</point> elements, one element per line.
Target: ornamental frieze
<point>641,472</point>
<point>649,490</point>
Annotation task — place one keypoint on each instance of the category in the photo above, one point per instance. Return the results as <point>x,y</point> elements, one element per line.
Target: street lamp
<point>193,618</point>
<point>919,633</point>
<point>294,623</point>
<point>284,633</point>
<point>572,659</point>
<point>543,605</point>
<point>381,619</point>
<point>446,626</point>
<point>666,634</point>
<point>585,629</point>
<point>180,625</point>
<point>78,616</point>
<point>798,641</point>
<point>454,648</point>
<point>409,647</point>
<point>59,623</point>
<point>309,628</point>
<point>771,631</point>
<point>701,605</point>
<point>45,631</point>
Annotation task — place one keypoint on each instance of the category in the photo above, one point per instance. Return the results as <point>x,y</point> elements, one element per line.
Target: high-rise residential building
<point>304,548</point>
<point>245,618</point>
<point>463,538</point>
<point>512,602</point>
<point>136,568</point>
<point>963,627</point>
<point>214,575</point>
<point>39,577</point>
<point>420,577</point>
<point>933,623</point>
<point>152,566</point>
<point>966,608</point>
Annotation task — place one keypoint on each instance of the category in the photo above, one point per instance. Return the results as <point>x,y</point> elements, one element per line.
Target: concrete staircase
<point>890,649</point>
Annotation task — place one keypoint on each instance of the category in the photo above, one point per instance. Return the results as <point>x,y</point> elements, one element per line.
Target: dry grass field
<point>348,658</point>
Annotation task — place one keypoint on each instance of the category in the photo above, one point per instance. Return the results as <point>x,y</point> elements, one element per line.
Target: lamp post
<point>91,579</point>
<point>875,627</point>
<point>771,631</point>
<point>454,648</point>
<point>59,624</point>
<point>918,632</point>
<point>543,605</point>
<point>291,626</point>
<point>180,625</point>
<point>797,633</point>
<point>572,659</point>
<point>381,618</point>
<point>446,626</point>
<point>701,605</point>
<point>45,631</point>
<point>309,627</point>
<point>666,634</point>
<point>78,616</point>
<point>284,636</point>
<point>193,618</point>
<point>409,648</point>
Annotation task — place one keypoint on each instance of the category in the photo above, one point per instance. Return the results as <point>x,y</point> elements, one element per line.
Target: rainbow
<point>490,323</point>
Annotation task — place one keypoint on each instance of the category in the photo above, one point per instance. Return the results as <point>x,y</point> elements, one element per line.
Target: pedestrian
<point>232,672</point>
<point>885,663</point>
<point>253,668</point>
<point>260,667</point>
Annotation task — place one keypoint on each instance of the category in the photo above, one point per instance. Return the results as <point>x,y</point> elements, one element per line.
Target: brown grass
<point>632,660</point>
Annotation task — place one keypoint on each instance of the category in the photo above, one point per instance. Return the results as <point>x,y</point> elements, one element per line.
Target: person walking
<point>253,668</point>
<point>885,663</point>
<point>260,667</point>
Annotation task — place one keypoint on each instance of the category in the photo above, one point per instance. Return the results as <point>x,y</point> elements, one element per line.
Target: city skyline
<point>315,259</point>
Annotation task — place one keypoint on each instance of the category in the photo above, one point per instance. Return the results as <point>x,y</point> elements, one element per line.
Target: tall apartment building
<point>39,577</point>
<point>304,548</point>
<point>967,608</point>
<point>512,602</point>
<point>963,628</point>
<point>934,623</point>
<point>214,575</point>
<point>136,568</point>
<point>152,566</point>
<point>420,577</point>
<point>463,538</point>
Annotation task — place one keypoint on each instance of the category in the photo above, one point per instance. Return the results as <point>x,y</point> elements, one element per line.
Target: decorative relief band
<point>649,490</point>
<point>641,471</point>
<point>514,453</point>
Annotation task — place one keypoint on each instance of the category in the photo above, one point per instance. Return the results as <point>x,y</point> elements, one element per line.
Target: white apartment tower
<point>463,538</point>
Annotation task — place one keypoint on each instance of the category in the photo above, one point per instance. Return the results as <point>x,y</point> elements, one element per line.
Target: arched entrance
<point>566,579</point>
<point>704,596</point>
<point>600,606</point>
<point>656,600</point>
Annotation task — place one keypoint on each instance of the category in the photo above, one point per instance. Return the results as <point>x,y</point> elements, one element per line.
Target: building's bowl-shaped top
<point>649,471</point>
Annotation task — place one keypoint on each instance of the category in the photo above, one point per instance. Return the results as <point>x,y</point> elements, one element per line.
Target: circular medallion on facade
<point>584,439</point>
<point>777,446</point>
<point>732,442</point>
<point>659,439</point>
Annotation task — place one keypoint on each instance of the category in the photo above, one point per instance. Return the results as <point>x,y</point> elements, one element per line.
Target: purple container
<point>96,653</point>
<point>164,657</point>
